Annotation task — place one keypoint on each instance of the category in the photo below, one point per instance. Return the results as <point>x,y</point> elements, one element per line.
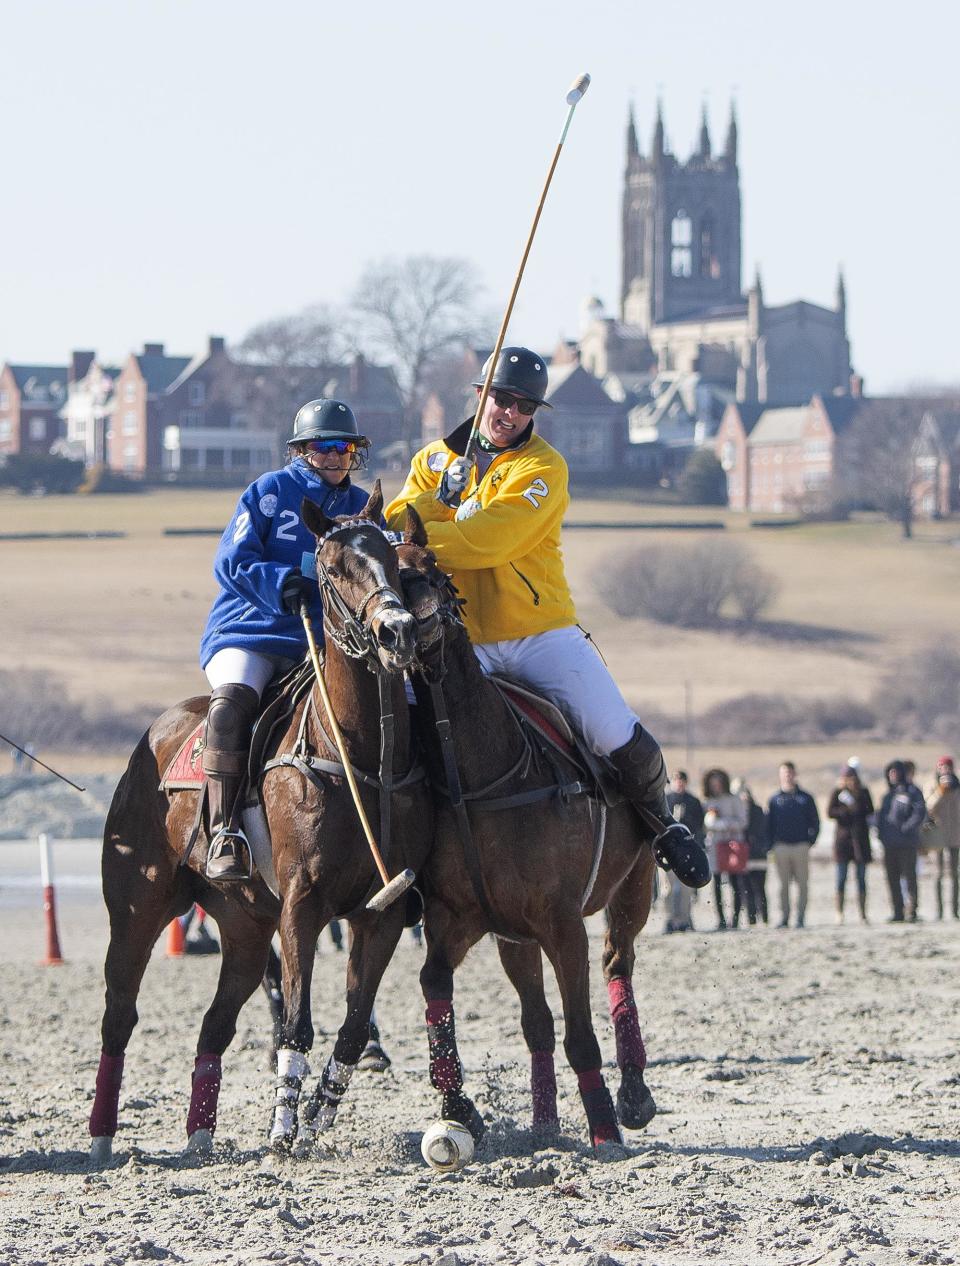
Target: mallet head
<point>577,89</point>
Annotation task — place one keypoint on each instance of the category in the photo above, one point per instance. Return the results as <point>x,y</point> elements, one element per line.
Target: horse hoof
<point>200,1143</point>
<point>101,1150</point>
<point>374,1059</point>
<point>636,1106</point>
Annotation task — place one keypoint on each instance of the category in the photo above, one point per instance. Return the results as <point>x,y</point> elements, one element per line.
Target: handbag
<point>733,856</point>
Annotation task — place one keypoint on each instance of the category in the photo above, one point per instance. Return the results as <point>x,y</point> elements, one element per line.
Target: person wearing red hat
<point>942,831</point>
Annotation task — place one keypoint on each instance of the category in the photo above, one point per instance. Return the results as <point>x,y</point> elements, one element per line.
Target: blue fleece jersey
<point>263,542</point>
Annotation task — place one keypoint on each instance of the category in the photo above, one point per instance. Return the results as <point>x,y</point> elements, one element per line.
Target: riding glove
<point>453,482</point>
<point>293,589</point>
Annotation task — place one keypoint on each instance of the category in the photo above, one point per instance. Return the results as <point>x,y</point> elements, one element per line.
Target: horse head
<point>430,596</point>
<point>359,578</point>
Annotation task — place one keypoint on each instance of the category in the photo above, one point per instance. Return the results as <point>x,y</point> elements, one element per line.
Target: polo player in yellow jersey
<point>494,526</point>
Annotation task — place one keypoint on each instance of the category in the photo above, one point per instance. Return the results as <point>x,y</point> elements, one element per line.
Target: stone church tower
<point>681,230</point>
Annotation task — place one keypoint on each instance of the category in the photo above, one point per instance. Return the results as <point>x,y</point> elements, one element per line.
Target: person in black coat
<point>901,815</point>
<point>752,884</point>
<point>851,807</point>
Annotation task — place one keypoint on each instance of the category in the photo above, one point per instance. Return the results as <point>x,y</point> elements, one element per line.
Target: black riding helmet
<point>520,371</point>
<point>326,420</point>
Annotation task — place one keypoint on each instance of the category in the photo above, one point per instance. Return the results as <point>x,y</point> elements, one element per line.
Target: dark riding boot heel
<point>643,777</point>
<point>230,718</point>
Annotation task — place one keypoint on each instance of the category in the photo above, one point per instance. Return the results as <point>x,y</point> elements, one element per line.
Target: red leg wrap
<point>598,1106</point>
<point>543,1083</point>
<point>626,1026</point>
<point>103,1116</point>
<point>204,1095</point>
<point>445,1074</point>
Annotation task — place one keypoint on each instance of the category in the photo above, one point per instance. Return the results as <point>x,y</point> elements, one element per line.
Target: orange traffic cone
<point>175,939</point>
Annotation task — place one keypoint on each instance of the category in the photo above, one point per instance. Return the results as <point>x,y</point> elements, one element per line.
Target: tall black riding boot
<point>233,709</point>
<point>643,777</point>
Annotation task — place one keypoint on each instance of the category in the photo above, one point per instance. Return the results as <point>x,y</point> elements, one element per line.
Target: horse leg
<point>371,947</point>
<point>245,944</point>
<point>272,985</point>
<point>524,967</point>
<point>446,947</point>
<point>626,915</point>
<point>301,922</point>
<point>140,907</point>
<point>569,954</point>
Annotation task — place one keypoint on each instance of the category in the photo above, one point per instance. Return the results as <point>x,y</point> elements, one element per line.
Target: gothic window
<point>681,239</point>
<point>709,261</point>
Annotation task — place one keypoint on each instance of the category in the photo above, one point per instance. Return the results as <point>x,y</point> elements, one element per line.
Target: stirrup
<point>229,857</point>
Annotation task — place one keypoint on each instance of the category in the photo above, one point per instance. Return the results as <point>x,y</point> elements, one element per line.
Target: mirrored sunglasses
<point>332,446</point>
<point>507,400</point>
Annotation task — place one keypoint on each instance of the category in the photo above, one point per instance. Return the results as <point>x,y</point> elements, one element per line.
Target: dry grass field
<point>123,617</point>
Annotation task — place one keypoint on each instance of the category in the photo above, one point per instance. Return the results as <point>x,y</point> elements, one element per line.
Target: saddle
<point>549,729</point>
<point>280,699</point>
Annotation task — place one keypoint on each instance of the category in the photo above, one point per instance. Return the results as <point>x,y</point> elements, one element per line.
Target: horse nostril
<point>387,636</point>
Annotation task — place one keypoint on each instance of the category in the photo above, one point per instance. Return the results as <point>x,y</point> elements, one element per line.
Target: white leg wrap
<point>333,1086</point>
<point>292,1068</point>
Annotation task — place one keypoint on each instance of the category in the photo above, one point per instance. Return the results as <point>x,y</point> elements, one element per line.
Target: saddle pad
<point>546,716</point>
<point>185,771</point>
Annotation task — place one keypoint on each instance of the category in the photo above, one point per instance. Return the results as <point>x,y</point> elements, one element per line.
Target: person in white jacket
<point>725,818</point>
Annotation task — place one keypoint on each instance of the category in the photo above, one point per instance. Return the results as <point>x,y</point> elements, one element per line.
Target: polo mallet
<point>392,888</point>
<point>577,89</point>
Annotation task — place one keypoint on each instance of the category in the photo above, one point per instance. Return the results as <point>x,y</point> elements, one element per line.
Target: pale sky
<point>173,169</point>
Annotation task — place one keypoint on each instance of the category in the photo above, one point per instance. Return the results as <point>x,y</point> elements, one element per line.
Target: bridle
<point>351,630</point>
<point>445,613</point>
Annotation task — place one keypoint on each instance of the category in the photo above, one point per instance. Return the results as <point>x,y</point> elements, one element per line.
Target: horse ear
<point>414,533</point>
<point>318,523</point>
<point>374,507</point>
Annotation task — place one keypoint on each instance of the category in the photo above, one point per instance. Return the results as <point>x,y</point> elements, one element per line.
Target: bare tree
<point>283,362</point>
<point>414,311</point>
<point>875,458</point>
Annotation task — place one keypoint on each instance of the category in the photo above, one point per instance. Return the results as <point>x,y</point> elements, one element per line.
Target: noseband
<point>351,630</point>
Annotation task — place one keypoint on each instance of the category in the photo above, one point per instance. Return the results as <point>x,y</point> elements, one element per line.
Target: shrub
<point>702,481</point>
<point>919,696</point>
<point>40,472</point>
<point>46,716</point>
<point>101,478</point>
<point>685,584</point>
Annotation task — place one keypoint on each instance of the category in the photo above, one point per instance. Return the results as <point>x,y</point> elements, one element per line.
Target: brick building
<point>31,397</point>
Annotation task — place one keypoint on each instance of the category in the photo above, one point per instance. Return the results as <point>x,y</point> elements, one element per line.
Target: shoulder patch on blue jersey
<point>437,461</point>
<point>268,504</point>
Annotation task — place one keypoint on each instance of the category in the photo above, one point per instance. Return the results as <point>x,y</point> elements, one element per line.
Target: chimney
<point>80,362</point>
<point>153,349</point>
<point>217,345</point>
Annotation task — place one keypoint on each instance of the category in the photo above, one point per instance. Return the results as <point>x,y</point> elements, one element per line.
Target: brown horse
<point>322,863</point>
<point>528,864</point>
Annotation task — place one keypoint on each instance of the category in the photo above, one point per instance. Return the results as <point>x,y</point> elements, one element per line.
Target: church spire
<point>730,149</point>
<point>703,148</point>
<point>633,148</point>
<point>841,292</point>
<point>658,146</point>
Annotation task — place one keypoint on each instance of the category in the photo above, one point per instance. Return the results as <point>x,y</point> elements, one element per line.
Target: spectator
<point>686,808</point>
<point>724,819</point>
<point>943,806</point>
<point>901,815</point>
<point>793,825</point>
<point>851,807</point>
<point>752,884</point>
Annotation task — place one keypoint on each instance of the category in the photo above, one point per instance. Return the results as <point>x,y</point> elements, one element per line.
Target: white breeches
<point>563,665</point>
<point>244,668</point>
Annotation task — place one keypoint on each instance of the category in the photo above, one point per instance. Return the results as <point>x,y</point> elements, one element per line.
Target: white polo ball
<point>446,1146</point>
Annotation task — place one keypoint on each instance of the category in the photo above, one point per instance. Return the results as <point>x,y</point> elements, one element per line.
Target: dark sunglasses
<point>506,400</point>
<point>331,446</point>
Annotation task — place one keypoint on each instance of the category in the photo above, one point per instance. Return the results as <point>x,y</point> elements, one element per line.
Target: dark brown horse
<point>321,860</point>
<point>540,862</point>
